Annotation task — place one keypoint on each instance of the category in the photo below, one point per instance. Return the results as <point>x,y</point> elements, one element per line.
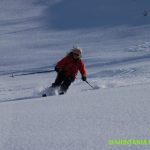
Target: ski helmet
<point>77,50</point>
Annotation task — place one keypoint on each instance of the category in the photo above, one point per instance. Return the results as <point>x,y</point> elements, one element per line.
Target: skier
<point>67,69</point>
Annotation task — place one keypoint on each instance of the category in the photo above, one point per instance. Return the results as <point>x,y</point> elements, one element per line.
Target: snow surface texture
<point>114,35</point>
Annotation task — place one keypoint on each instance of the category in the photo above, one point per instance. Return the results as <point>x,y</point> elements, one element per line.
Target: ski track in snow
<point>26,92</point>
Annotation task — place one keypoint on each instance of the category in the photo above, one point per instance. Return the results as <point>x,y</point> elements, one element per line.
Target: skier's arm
<point>82,70</point>
<point>60,66</point>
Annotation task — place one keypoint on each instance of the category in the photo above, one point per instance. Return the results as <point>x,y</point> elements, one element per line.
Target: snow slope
<point>82,120</point>
<point>114,35</point>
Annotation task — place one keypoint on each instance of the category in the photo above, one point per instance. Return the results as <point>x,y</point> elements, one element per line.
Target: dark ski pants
<point>63,82</point>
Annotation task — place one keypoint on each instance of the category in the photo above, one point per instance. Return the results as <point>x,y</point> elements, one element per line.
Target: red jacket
<point>71,66</point>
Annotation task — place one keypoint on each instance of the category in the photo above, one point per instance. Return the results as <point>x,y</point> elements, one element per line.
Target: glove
<point>83,78</point>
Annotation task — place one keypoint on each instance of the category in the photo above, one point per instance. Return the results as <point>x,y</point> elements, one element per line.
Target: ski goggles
<point>76,54</point>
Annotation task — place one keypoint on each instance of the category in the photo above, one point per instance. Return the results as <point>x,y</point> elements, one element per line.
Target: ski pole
<point>89,84</point>
<point>29,73</point>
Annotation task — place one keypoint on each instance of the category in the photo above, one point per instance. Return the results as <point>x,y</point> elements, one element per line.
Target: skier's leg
<point>51,89</point>
<point>65,85</point>
<point>58,81</point>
